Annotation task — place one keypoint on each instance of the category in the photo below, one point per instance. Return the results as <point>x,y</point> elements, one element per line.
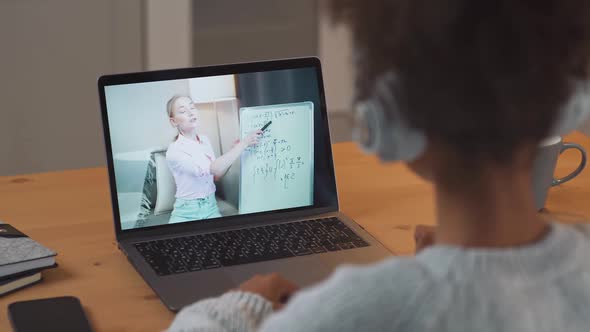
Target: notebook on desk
<point>194,227</point>
<point>19,253</point>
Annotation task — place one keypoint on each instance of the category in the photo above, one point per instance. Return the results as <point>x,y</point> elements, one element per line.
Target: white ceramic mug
<point>544,167</point>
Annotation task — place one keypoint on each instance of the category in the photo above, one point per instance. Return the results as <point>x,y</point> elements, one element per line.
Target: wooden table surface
<point>70,212</point>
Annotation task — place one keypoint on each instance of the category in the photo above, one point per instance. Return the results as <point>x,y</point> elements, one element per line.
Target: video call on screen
<point>209,147</point>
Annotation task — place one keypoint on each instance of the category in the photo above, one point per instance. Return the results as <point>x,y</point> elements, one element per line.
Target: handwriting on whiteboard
<point>274,157</point>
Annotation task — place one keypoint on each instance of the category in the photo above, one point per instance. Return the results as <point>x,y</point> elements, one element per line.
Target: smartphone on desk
<point>62,314</point>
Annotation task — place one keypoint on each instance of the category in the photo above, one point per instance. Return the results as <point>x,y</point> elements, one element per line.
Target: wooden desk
<point>70,213</point>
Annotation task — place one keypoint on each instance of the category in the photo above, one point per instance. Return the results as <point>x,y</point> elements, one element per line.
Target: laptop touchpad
<point>304,271</point>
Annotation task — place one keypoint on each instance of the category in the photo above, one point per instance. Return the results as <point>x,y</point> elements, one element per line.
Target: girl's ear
<point>173,123</point>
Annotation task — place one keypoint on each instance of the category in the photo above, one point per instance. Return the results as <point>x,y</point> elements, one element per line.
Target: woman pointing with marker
<point>193,163</point>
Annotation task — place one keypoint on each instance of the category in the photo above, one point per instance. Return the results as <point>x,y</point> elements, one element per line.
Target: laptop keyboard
<point>214,250</point>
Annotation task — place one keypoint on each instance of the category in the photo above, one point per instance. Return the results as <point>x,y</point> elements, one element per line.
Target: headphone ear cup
<point>575,111</point>
<point>408,143</point>
<point>381,129</point>
<point>368,128</point>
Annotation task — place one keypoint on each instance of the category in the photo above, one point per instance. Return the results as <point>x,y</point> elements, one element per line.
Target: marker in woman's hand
<point>266,125</point>
<point>251,138</point>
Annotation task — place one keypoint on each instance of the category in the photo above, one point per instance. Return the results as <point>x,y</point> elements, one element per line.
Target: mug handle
<point>577,171</point>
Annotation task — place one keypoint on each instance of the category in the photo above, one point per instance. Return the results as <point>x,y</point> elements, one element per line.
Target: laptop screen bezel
<point>228,221</point>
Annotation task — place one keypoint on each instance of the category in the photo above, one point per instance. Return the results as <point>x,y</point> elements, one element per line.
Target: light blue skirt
<point>194,209</point>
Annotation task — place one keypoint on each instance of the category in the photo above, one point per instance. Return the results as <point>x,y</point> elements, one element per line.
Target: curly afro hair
<point>480,77</point>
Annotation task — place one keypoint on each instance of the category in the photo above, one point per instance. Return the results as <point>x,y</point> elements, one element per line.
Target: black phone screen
<point>53,314</point>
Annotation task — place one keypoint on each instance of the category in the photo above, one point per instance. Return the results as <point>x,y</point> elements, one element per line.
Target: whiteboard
<point>278,172</point>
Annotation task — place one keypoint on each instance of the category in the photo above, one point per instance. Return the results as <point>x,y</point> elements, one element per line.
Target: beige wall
<point>212,88</point>
<point>52,53</point>
<point>227,31</point>
<point>168,34</point>
<point>335,51</point>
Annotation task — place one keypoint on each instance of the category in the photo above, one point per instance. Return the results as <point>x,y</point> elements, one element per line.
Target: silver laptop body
<point>287,81</point>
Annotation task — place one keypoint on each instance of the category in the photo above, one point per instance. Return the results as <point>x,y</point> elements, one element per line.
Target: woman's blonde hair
<point>170,104</point>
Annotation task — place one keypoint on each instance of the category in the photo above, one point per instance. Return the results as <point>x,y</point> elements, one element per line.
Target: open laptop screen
<point>210,147</point>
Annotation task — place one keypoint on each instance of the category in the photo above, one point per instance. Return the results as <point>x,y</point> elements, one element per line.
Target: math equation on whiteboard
<point>274,157</point>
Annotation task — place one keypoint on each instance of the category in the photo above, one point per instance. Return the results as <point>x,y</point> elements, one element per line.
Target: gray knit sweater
<point>541,287</point>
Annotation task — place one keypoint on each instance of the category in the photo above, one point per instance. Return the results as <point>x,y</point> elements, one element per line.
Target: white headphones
<point>380,128</point>
<point>575,111</point>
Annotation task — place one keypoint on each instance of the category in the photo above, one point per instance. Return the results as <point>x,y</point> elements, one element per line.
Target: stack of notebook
<point>21,259</point>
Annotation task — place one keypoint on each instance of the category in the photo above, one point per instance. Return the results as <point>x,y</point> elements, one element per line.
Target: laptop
<point>223,172</point>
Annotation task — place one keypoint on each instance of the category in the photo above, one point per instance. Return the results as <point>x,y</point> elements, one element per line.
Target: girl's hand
<point>272,287</point>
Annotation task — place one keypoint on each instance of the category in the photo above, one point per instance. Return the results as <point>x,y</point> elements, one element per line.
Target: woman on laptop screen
<point>194,165</point>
